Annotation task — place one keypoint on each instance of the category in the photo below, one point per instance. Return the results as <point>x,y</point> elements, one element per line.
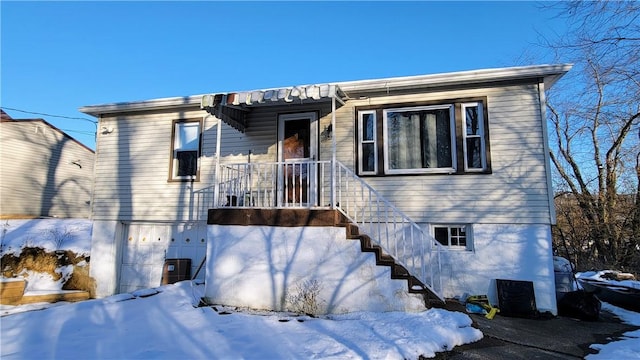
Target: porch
<point>322,193</point>
<point>298,189</point>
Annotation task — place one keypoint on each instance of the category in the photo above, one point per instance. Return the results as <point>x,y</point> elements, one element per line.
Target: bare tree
<point>594,134</point>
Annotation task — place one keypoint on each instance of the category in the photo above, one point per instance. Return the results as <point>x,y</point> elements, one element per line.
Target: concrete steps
<point>397,271</point>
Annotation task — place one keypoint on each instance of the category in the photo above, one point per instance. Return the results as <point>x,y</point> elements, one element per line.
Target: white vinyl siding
<point>131,171</point>
<point>43,172</point>
<point>132,166</point>
<point>515,192</point>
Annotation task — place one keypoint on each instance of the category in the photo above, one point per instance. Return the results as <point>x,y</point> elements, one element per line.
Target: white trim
<point>334,145</point>
<point>548,73</point>
<point>177,147</point>
<point>374,141</point>
<point>468,236</point>
<point>216,176</point>
<point>313,154</point>
<point>313,132</point>
<point>452,130</point>
<point>483,151</point>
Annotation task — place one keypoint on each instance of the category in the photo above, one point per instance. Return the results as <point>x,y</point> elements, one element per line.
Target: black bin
<point>176,270</point>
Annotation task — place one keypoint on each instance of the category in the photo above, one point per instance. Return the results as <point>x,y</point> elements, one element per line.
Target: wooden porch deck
<point>276,217</point>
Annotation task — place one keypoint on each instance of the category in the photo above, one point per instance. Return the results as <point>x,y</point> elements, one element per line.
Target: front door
<point>297,149</point>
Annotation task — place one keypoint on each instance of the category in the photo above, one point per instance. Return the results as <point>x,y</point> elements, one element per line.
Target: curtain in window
<point>187,163</point>
<point>442,138</point>
<point>404,141</point>
<point>419,139</point>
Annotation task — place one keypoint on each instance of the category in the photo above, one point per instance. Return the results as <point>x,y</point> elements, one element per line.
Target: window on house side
<point>186,150</point>
<point>367,145</point>
<point>419,139</point>
<point>454,236</point>
<point>474,147</point>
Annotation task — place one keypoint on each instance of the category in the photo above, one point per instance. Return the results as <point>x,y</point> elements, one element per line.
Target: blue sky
<point>59,56</point>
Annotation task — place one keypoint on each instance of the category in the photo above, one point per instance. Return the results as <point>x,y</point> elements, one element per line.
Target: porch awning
<point>232,108</point>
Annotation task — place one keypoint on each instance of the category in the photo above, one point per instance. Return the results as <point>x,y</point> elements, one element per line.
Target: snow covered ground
<point>167,325</point>
<point>626,348</point>
<point>164,323</point>
<point>49,234</point>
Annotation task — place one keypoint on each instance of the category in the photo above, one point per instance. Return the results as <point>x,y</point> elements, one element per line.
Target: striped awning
<point>232,108</point>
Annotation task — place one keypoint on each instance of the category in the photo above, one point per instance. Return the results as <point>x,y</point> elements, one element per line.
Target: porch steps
<point>398,271</point>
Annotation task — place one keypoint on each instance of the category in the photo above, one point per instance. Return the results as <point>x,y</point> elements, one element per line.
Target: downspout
<point>547,161</point>
<point>93,173</point>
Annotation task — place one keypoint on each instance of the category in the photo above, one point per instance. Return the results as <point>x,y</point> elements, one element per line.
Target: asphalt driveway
<point>555,338</point>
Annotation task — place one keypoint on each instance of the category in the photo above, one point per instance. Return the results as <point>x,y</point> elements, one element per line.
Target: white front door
<point>297,148</point>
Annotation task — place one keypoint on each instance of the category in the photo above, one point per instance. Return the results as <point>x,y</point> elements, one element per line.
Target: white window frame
<point>361,141</point>
<point>177,147</point>
<point>481,136</point>
<point>452,130</point>
<point>468,236</point>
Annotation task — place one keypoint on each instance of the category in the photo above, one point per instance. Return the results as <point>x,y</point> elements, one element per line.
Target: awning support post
<point>216,189</point>
<point>333,152</point>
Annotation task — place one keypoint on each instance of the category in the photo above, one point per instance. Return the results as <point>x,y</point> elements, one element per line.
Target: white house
<point>384,194</point>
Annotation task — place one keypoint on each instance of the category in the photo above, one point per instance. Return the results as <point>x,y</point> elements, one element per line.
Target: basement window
<point>453,236</point>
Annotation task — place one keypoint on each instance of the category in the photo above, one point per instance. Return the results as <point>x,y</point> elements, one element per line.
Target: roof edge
<point>162,103</point>
<point>549,73</point>
<point>53,127</point>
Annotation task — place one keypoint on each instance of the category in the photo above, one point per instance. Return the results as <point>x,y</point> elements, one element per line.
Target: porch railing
<point>275,184</point>
<point>389,228</point>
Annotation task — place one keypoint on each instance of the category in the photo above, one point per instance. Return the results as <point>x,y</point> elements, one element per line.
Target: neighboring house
<point>43,171</point>
<point>445,180</point>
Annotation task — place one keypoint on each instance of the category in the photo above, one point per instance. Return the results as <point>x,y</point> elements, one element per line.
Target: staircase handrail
<point>386,220</point>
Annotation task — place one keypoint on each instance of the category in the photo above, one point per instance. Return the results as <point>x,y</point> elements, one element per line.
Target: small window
<point>453,236</point>
<point>474,146</point>
<point>367,145</point>
<point>419,139</point>
<point>186,150</point>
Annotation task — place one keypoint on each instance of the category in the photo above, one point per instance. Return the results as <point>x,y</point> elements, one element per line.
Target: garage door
<point>147,245</point>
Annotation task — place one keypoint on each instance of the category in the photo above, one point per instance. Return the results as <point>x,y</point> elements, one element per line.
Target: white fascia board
<point>549,73</point>
<point>154,104</point>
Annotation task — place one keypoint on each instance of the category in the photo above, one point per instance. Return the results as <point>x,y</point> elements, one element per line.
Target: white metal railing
<point>389,228</point>
<point>275,184</point>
